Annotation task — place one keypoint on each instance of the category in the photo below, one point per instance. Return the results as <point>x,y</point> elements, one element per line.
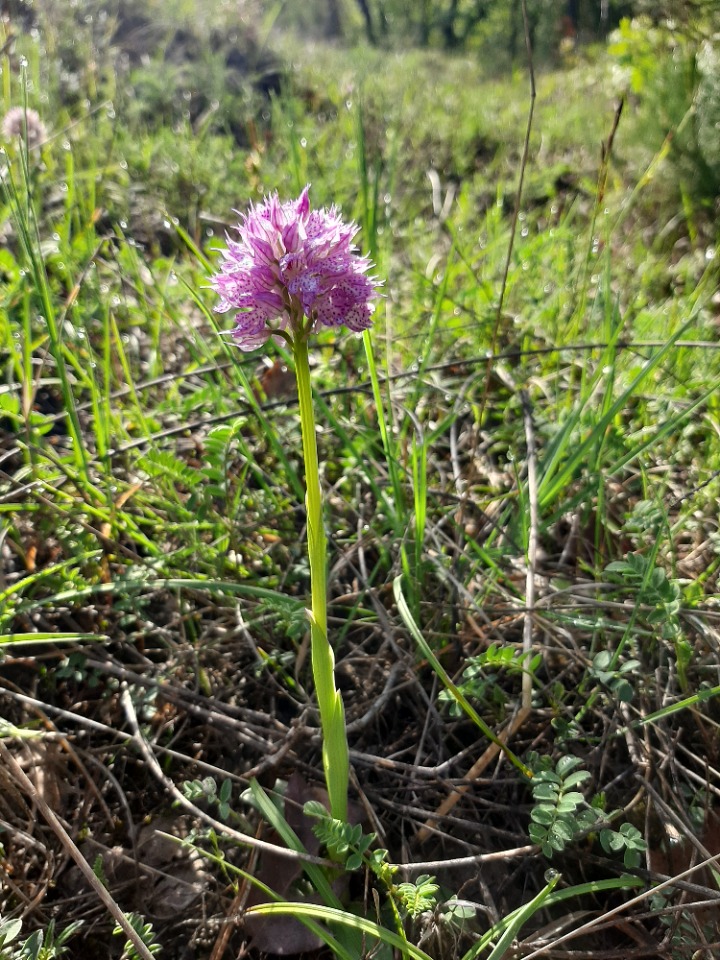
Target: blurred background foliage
<point>217,74</point>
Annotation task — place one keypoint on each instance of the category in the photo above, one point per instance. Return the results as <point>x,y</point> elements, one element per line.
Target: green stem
<point>336,761</point>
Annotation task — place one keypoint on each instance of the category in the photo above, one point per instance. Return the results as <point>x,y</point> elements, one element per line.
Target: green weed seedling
<point>682,928</point>
<point>145,932</point>
<point>650,585</point>
<point>40,945</point>
<point>349,842</point>
<point>626,840</point>
<point>419,896</point>
<point>406,902</point>
<point>482,677</point>
<point>207,790</point>
<point>561,815</point>
<point>9,932</point>
<point>617,679</point>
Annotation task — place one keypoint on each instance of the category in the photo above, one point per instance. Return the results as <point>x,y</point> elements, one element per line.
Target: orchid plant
<point>292,271</point>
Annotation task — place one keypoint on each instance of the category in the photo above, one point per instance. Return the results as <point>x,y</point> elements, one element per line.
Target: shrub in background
<point>674,79</point>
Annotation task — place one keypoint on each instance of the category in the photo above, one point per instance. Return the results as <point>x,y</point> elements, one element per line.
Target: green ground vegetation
<point>520,466</point>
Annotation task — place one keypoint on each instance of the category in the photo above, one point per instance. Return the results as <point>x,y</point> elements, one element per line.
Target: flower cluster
<point>293,264</point>
<point>18,121</point>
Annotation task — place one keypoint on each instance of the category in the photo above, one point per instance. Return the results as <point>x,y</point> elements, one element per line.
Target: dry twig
<point>71,849</point>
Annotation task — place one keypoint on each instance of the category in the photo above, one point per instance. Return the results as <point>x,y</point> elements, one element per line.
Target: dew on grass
<point>123,224</point>
<point>303,142</point>
<point>66,145</point>
<point>710,253</point>
<point>23,62</point>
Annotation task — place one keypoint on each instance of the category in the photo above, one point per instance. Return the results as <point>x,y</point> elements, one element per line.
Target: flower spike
<point>291,263</point>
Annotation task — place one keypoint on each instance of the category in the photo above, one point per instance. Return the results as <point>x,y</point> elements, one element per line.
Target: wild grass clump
<point>513,526</point>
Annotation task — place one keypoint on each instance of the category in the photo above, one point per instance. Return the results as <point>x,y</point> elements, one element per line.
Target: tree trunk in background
<point>448,27</point>
<point>367,17</point>
<point>382,17</point>
<point>573,12</point>
<point>604,17</point>
<point>333,24</point>
<point>424,34</point>
<point>515,28</point>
